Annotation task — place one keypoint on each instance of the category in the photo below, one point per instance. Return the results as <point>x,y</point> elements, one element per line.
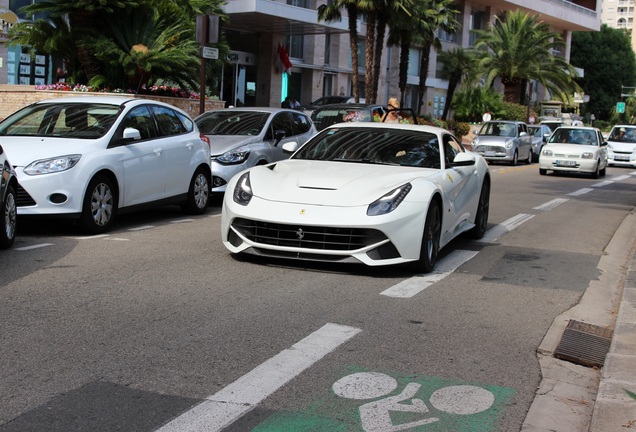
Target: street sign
<point>210,53</point>
<point>620,107</point>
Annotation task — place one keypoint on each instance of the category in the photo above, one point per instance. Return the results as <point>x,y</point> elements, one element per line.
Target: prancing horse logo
<point>300,234</point>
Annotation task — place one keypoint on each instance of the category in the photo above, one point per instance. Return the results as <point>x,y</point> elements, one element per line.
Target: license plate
<point>490,153</point>
<point>566,163</point>
<point>621,158</point>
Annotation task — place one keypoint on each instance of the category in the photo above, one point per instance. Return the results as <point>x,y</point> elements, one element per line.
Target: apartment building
<point>320,56</point>
<point>619,14</point>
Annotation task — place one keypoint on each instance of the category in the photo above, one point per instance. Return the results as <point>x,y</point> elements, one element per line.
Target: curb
<point>565,399</point>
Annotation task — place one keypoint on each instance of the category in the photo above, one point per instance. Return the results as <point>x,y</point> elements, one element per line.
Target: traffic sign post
<point>620,107</point>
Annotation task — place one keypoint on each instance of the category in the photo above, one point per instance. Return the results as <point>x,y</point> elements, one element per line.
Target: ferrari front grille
<point>307,237</point>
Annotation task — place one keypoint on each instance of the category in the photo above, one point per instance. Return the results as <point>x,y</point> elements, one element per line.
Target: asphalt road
<point>156,327</point>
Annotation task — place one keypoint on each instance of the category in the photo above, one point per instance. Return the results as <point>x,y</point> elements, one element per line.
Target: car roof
<point>256,109</point>
<point>625,126</point>
<point>112,100</point>
<point>504,121</point>
<point>349,106</point>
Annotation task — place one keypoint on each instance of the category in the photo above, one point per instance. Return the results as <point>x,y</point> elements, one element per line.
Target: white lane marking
<point>181,221</point>
<point>444,267</point>
<point>117,239</point>
<point>623,177</point>
<point>141,228</point>
<point>503,228</point>
<point>551,204</point>
<point>581,192</point>
<point>90,237</point>
<point>603,183</point>
<point>36,246</point>
<point>240,397</point>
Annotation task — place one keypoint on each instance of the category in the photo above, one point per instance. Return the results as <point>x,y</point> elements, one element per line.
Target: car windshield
<point>232,122</point>
<point>623,134</point>
<point>535,131</point>
<point>498,129</point>
<point>325,117</point>
<point>375,146</point>
<point>63,120</point>
<point>575,136</point>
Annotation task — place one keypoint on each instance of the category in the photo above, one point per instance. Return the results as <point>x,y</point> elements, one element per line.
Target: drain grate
<point>584,344</point>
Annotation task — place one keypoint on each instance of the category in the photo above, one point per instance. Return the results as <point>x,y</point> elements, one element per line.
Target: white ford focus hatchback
<point>92,157</point>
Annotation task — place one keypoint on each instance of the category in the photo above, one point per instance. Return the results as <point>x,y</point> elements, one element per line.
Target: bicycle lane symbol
<point>378,402</point>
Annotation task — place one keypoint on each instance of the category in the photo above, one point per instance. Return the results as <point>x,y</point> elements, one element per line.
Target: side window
<point>168,121</point>
<point>140,119</point>
<point>283,122</point>
<point>187,122</point>
<point>301,123</point>
<point>451,149</point>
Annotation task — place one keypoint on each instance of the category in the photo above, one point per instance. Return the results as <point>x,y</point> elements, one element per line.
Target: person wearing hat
<point>392,116</point>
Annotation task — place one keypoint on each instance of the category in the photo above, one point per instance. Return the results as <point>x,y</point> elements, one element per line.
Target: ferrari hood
<point>21,151</point>
<point>330,183</point>
<point>220,144</point>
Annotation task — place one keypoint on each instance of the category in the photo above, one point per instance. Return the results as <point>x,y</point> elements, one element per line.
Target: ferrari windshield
<point>232,122</point>
<point>374,145</point>
<point>63,120</point>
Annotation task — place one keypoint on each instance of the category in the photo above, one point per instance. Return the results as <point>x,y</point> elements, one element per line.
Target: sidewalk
<point>575,398</point>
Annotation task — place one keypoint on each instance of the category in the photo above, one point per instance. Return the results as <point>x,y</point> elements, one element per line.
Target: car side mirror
<point>522,134</point>
<point>290,147</point>
<point>464,159</point>
<point>603,143</point>
<point>279,135</point>
<point>1,150</point>
<point>131,134</point>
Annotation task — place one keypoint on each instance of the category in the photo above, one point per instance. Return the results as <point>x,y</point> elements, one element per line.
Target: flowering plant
<point>162,90</point>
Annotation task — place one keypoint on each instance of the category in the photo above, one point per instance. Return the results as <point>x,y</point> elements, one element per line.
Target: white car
<point>243,137</point>
<point>372,193</point>
<point>621,146</point>
<point>575,150</point>
<point>92,157</point>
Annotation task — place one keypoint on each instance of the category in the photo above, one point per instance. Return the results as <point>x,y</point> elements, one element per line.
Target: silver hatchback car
<point>241,138</point>
<point>504,141</point>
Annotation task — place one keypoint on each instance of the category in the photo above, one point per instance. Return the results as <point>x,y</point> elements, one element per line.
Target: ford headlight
<point>235,156</point>
<point>390,201</point>
<point>243,190</point>
<point>52,165</point>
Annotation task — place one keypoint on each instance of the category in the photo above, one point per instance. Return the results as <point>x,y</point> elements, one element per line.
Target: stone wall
<point>14,97</point>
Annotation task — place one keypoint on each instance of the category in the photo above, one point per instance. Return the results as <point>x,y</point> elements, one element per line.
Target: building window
<point>299,3</point>
<point>414,62</point>
<point>478,20</point>
<point>296,46</point>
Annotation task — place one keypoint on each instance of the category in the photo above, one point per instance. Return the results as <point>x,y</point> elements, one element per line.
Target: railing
<point>574,7</point>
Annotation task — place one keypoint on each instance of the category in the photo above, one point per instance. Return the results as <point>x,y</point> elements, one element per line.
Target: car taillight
<point>205,139</point>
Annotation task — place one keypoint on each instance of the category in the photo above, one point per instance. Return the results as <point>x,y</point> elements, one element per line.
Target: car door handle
<point>158,151</point>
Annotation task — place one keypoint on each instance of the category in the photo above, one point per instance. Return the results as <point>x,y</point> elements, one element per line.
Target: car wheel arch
<point>111,176</point>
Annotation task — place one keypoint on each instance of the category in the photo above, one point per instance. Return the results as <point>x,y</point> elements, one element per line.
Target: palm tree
<point>333,12</point>
<point>457,64</point>
<point>518,48</point>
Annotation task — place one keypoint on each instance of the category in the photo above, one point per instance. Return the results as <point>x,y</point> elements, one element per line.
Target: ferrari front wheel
<point>483,206</point>
<point>430,240</point>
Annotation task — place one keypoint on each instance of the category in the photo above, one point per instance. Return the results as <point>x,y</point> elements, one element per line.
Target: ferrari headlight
<point>389,202</point>
<point>587,155</point>
<point>243,190</point>
<point>53,165</point>
<point>235,156</point>
<point>547,152</point>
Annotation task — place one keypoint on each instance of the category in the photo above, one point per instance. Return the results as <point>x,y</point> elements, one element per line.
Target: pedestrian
<point>286,103</point>
<point>295,104</point>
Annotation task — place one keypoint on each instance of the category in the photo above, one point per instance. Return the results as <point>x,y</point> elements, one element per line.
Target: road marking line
<point>444,267</point>
<point>37,246</point>
<point>117,239</point>
<point>181,221</point>
<point>551,204</point>
<point>90,237</point>
<point>581,192</point>
<point>503,228</point>
<point>603,183</point>
<point>228,404</point>
<point>623,177</point>
<point>141,228</point>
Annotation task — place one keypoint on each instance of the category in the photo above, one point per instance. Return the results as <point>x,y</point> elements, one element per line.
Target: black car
<point>8,188</point>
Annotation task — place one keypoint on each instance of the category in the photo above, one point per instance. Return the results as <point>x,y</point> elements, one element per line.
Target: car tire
<point>99,206</point>
<point>198,198</point>
<point>543,171</point>
<point>8,219</point>
<point>429,247</point>
<point>529,160</point>
<point>597,171</point>
<point>483,209</point>
<point>515,159</point>
<point>603,171</point>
